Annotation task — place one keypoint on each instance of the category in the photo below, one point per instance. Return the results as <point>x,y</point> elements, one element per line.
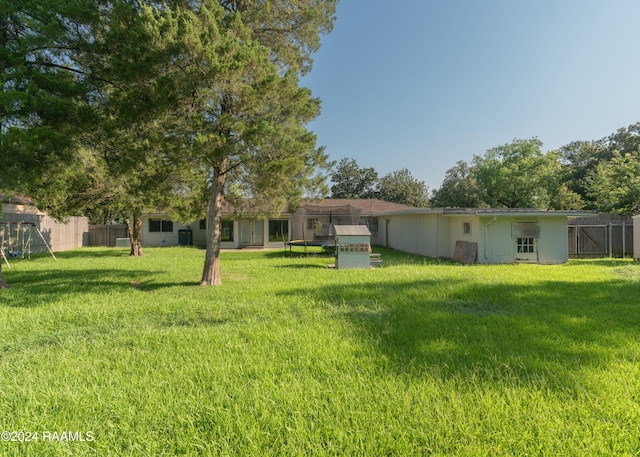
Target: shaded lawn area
<point>420,357</point>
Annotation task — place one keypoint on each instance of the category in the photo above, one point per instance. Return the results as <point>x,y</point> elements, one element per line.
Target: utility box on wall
<point>352,246</point>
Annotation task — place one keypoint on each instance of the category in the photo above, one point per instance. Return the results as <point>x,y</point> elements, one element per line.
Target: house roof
<point>367,206</point>
<point>15,199</point>
<point>538,212</point>
<point>515,212</point>
<point>359,230</point>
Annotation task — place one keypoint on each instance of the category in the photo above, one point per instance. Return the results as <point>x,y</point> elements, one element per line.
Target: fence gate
<point>601,240</point>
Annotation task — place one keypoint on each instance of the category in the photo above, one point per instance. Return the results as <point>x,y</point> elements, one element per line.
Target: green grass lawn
<point>287,357</point>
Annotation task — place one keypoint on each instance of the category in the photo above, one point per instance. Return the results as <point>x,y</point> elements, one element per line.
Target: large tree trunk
<point>134,228</point>
<point>211,271</point>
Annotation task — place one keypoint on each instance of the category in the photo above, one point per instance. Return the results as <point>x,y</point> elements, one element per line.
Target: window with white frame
<point>226,227</point>
<point>466,228</point>
<point>160,226</point>
<point>525,245</point>
<point>278,229</point>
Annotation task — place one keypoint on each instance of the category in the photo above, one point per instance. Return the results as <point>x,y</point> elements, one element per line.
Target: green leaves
<point>459,189</point>
<point>401,187</point>
<point>520,175</point>
<point>351,181</point>
<point>142,103</point>
<point>615,184</point>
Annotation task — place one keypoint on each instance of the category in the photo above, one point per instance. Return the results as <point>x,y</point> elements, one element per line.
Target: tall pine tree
<point>243,110</point>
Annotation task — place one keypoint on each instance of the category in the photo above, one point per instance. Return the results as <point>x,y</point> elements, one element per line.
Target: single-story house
<point>496,235</point>
<point>312,221</point>
<point>493,235</point>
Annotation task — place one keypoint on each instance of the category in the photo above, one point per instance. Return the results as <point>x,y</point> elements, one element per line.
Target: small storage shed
<point>353,245</point>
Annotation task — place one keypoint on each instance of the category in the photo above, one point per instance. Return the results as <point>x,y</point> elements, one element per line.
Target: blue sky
<point>422,84</point>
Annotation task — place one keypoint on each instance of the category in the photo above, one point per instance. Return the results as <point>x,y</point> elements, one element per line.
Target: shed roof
<point>493,212</point>
<point>351,230</point>
<point>516,211</point>
<point>15,199</point>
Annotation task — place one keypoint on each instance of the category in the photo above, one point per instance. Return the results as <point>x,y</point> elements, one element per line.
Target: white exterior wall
<point>171,238</point>
<point>347,258</point>
<point>554,241</point>
<point>435,235</point>
<point>456,231</point>
<point>199,235</point>
<point>422,234</point>
<point>496,243</point>
<point>160,238</point>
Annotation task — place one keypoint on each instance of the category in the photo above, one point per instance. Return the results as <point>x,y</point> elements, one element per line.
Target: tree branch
<point>71,69</point>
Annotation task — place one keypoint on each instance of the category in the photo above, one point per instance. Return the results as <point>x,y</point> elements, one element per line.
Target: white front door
<point>526,249</point>
<point>251,232</point>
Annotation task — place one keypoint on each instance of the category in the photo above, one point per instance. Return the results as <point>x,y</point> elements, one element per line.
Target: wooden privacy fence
<point>601,240</point>
<point>54,235</point>
<point>106,234</point>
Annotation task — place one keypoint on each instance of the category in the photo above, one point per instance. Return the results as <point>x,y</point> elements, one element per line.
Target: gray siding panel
<point>421,234</point>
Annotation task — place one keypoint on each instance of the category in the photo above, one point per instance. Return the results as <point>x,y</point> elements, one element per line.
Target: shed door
<point>527,249</point>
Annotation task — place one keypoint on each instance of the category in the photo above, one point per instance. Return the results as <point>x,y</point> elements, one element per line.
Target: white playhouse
<point>353,246</point>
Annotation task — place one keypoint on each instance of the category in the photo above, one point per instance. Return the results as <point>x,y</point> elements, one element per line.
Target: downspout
<point>486,237</point>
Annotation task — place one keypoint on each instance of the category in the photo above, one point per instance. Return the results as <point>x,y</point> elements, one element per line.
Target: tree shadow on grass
<point>390,257</point>
<point>39,288</point>
<point>296,266</point>
<point>525,334</point>
<point>93,253</point>
<point>279,254</point>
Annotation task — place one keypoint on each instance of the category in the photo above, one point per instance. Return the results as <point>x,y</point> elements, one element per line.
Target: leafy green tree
<point>243,112</point>
<point>625,140</point>
<point>401,187</point>
<point>137,41</point>
<point>216,80</point>
<point>520,175</point>
<point>351,181</point>
<point>41,98</point>
<point>579,159</point>
<point>459,189</point>
<point>615,184</point>
<point>97,146</point>
<point>506,175</point>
